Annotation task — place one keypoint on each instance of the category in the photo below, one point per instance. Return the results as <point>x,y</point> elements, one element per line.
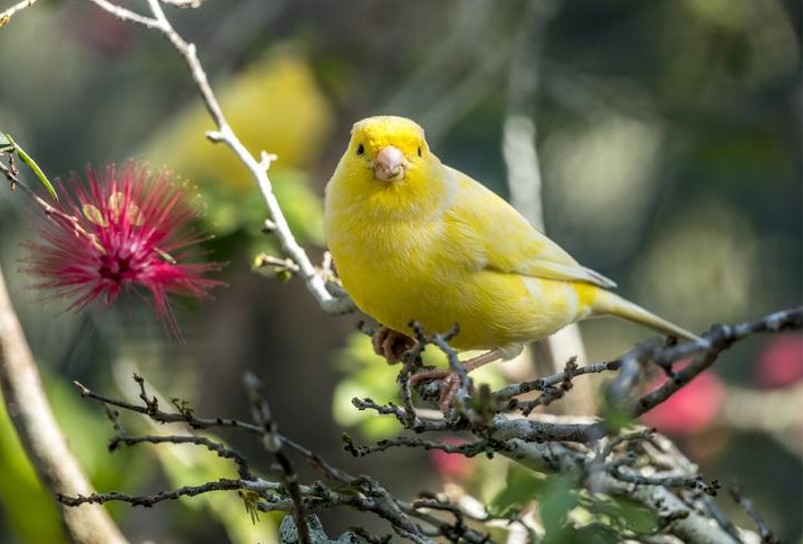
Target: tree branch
<point>747,505</point>
<point>273,444</point>
<point>5,16</point>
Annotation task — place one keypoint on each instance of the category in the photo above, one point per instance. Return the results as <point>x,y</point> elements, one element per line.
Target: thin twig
<point>126,15</point>
<point>216,447</point>
<point>767,537</point>
<point>706,351</point>
<point>543,384</point>
<point>667,480</point>
<point>261,487</point>
<point>184,3</point>
<point>273,444</point>
<point>469,449</point>
<point>5,16</point>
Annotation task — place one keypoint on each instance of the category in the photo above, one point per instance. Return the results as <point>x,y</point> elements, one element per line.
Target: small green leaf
<point>594,533</point>
<point>617,414</point>
<point>250,500</point>
<point>559,498</point>
<point>5,143</point>
<point>24,157</point>
<point>523,486</point>
<point>628,514</point>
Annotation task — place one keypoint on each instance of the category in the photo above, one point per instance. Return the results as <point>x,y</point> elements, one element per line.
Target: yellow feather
<point>437,247</point>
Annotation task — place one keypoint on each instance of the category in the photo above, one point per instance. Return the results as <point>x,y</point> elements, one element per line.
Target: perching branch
<point>591,446</point>
<point>706,351</point>
<point>639,466</point>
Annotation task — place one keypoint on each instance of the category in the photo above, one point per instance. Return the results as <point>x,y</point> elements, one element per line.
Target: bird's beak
<point>389,164</point>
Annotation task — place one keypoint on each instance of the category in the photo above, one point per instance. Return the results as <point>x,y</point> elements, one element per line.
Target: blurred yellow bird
<point>413,239</point>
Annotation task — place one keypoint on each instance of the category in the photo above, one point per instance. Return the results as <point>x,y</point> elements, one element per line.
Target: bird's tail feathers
<point>612,304</point>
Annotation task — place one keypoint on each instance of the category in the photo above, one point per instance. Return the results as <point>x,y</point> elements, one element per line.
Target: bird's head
<point>388,163</point>
<point>388,148</point>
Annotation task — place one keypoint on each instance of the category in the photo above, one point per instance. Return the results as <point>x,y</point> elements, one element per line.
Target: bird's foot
<point>450,384</point>
<point>391,344</point>
<point>450,380</point>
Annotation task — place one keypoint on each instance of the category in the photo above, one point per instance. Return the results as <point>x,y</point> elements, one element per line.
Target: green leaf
<point>522,487</point>
<point>5,143</point>
<point>594,533</point>
<point>367,375</point>
<point>558,499</point>
<point>11,145</point>
<point>616,413</point>
<point>628,514</point>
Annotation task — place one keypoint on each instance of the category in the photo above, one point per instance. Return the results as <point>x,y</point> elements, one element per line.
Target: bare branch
<point>218,448</point>
<point>747,505</point>
<point>545,383</point>
<point>468,449</point>
<point>706,351</point>
<point>273,444</point>
<point>126,15</point>
<point>5,16</point>
<point>222,484</point>
<point>184,3</point>
<point>410,521</point>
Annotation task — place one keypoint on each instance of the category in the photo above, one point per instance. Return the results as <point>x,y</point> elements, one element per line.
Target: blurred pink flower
<point>100,30</point>
<point>691,409</point>
<point>452,466</point>
<point>781,362</point>
<point>120,229</point>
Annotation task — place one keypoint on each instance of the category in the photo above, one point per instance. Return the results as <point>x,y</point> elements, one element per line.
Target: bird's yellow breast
<point>400,271</point>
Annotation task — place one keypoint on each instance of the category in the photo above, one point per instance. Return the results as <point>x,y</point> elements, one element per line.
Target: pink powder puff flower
<point>781,362</point>
<point>121,229</point>
<point>452,466</point>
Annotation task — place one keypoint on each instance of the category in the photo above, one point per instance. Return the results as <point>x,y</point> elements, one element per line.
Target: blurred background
<point>669,142</point>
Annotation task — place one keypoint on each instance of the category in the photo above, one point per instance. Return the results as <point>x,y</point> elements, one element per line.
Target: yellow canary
<point>413,239</point>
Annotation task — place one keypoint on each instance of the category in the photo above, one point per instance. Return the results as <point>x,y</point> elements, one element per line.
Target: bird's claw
<point>450,384</point>
<point>391,344</point>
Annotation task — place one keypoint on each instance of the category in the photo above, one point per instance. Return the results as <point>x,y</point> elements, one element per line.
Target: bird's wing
<point>497,237</point>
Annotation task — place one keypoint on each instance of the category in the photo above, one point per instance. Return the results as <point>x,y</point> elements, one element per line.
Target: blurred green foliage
<point>31,513</point>
<point>192,465</point>
<point>567,513</point>
<point>30,509</point>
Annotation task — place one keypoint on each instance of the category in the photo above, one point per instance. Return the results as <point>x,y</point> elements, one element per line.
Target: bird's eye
<point>419,150</point>
<point>360,149</point>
